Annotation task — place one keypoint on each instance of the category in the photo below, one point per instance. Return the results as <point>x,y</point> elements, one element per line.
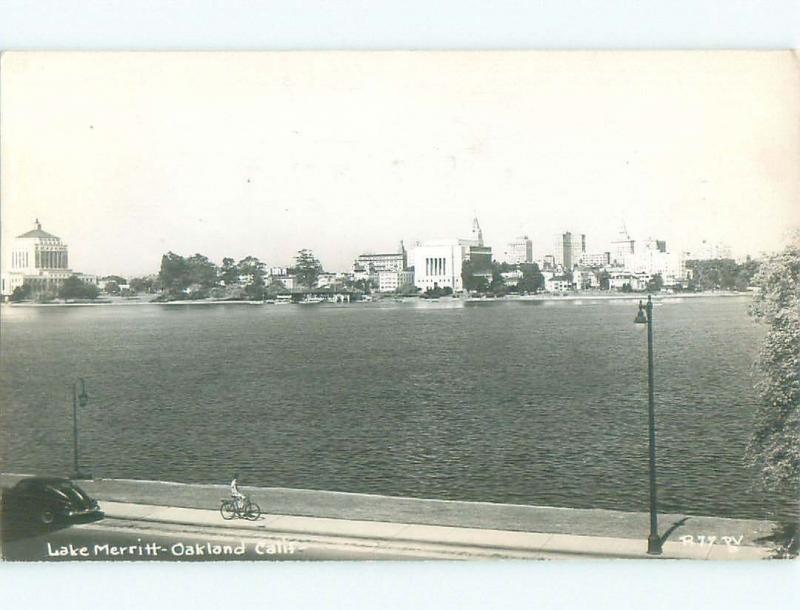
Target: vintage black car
<point>49,500</point>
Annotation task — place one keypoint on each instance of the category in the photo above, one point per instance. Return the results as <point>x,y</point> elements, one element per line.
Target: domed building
<point>40,260</point>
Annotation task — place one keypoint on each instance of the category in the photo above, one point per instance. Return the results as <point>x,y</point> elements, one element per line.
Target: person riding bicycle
<point>237,496</point>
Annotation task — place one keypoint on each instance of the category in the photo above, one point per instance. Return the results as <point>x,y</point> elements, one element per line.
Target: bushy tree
<point>178,273</point>
<point>775,445</point>
<point>307,268</point>
<point>75,288</point>
<point>721,274</point>
<point>174,273</point>
<point>655,283</point>
<point>532,279</point>
<point>202,271</point>
<point>275,287</point>
<point>20,293</point>
<point>144,284</point>
<point>229,272</point>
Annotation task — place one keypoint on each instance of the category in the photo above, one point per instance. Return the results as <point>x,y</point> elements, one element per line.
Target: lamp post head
<point>640,318</point>
<point>83,398</point>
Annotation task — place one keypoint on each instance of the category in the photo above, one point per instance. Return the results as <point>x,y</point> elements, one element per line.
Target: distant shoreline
<point>406,299</point>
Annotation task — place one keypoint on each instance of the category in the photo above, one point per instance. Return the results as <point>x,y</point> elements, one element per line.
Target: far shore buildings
<point>569,249</point>
<point>518,251</point>
<point>439,262</point>
<point>388,272</point>
<point>40,260</point>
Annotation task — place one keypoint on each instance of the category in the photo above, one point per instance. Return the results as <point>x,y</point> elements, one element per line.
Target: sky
<point>126,156</point>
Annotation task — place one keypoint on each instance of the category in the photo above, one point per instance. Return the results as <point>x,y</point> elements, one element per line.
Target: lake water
<point>539,403</point>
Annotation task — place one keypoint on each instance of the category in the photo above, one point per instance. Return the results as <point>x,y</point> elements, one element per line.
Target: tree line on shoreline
<point>197,277</point>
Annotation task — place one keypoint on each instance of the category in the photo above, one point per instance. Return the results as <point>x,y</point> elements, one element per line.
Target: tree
<point>143,284</point>
<point>275,287</point>
<point>307,268</point>
<point>604,278</point>
<point>229,272</point>
<point>112,287</point>
<point>721,274</point>
<point>532,279</point>
<point>75,288</point>
<point>202,271</point>
<point>774,447</point>
<point>497,285</point>
<point>20,293</point>
<point>174,273</point>
<point>655,283</point>
<point>407,290</point>
<point>114,278</point>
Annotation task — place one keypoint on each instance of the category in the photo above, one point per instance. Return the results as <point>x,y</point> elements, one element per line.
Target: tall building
<point>519,250</point>
<point>40,260</point>
<point>477,234</point>
<point>438,263</point>
<point>569,249</point>
<point>375,263</point>
<point>711,251</point>
<point>622,248</point>
<point>652,258</point>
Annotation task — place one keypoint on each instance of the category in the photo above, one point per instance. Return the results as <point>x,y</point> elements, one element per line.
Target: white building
<point>390,281</point>
<point>652,258</point>
<point>557,284</point>
<point>596,259</point>
<point>584,279</point>
<point>637,281</point>
<point>40,260</point>
<point>375,263</point>
<point>289,281</point>
<point>711,251</point>
<point>330,279</point>
<point>511,278</point>
<point>519,250</point>
<point>439,262</point>
<point>622,248</point>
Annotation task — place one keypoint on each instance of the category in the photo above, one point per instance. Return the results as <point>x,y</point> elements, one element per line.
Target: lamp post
<point>645,316</point>
<point>83,399</point>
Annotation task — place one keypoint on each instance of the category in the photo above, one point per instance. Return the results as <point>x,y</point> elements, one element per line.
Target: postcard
<point>292,306</point>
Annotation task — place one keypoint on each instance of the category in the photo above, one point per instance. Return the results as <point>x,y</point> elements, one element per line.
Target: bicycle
<point>249,510</point>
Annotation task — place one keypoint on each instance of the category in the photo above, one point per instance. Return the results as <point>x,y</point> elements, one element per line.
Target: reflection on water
<point>535,402</point>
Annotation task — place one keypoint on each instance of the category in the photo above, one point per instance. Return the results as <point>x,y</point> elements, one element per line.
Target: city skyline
<point>704,250</point>
<point>347,153</point>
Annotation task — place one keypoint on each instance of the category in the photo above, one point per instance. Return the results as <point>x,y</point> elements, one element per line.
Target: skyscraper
<point>570,249</point>
<point>477,234</point>
<point>519,250</point>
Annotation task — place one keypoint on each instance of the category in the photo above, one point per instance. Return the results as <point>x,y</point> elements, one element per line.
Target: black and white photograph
<point>399,305</point>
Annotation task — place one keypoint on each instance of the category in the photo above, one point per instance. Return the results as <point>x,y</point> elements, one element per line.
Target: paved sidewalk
<point>567,531</point>
<point>410,536</point>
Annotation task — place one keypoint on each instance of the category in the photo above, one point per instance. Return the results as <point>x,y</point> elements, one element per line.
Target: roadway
<point>126,540</point>
<point>114,539</point>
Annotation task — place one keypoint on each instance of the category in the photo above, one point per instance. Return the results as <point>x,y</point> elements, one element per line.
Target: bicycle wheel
<point>252,511</point>
<point>227,510</point>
